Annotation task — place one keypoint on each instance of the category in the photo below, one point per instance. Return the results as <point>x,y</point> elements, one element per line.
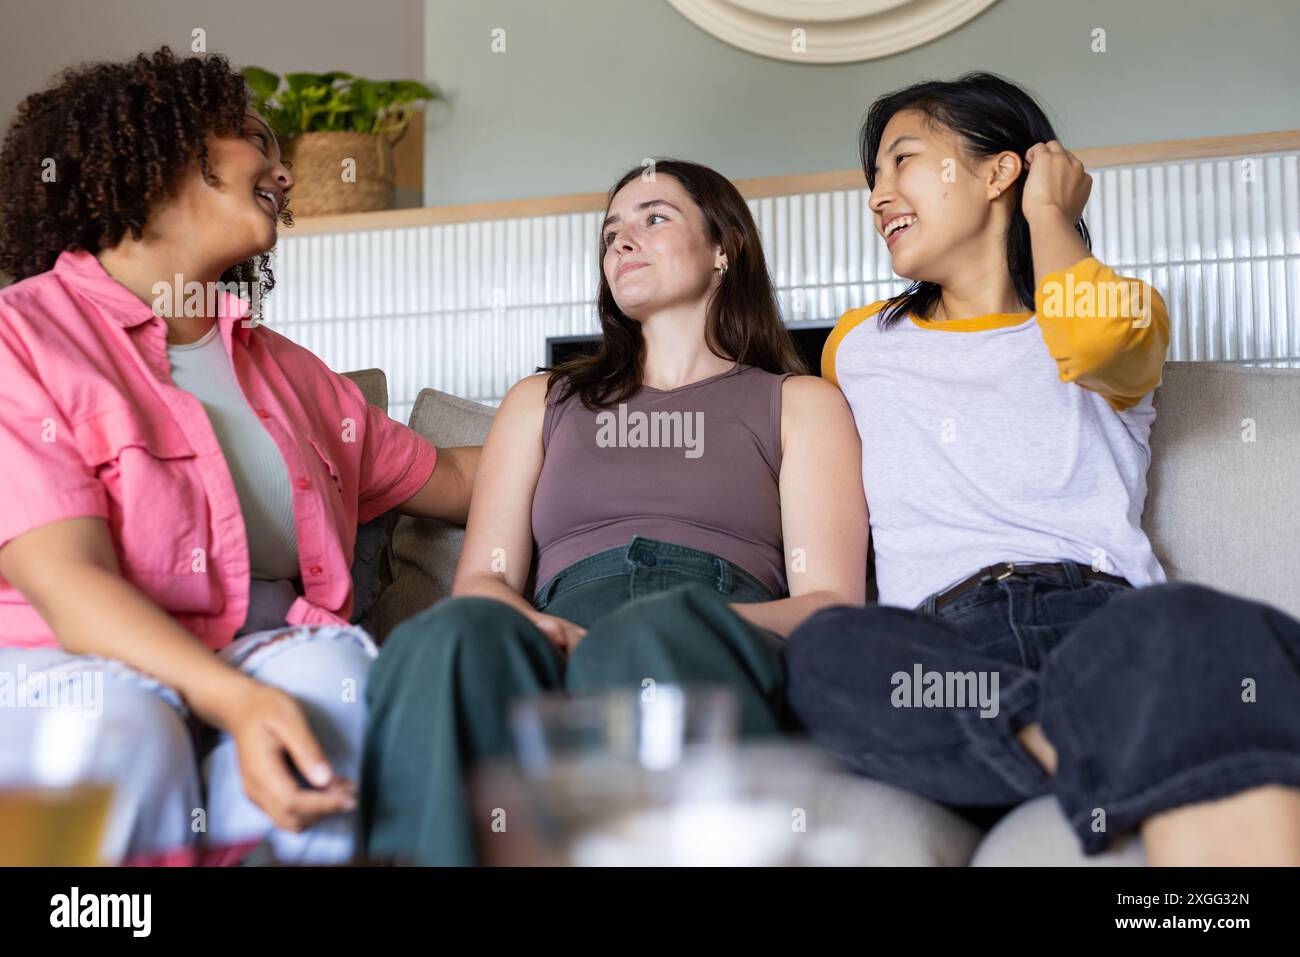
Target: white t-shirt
<point>975,452</point>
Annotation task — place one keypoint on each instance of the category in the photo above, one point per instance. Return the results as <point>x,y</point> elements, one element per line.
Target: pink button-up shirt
<point>92,425</point>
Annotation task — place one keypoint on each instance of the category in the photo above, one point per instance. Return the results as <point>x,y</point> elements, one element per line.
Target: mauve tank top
<point>697,466</point>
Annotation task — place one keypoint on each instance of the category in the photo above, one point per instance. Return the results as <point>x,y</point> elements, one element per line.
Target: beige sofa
<point>1223,509</point>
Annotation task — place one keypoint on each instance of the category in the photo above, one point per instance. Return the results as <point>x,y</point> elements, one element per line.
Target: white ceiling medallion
<point>834,31</point>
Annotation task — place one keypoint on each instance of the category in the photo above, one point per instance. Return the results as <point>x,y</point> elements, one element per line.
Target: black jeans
<point>1153,698</point>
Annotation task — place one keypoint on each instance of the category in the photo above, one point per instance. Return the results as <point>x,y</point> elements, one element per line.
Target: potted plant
<point>338,132</point>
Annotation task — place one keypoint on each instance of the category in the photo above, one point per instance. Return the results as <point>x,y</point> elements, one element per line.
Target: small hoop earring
<point>722,270</point>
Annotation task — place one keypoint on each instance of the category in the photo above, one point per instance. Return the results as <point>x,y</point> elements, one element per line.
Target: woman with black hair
<point>1025,642</point>
<point>182,485</point>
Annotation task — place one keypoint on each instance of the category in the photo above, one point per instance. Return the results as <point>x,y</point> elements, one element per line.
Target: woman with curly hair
<point>182,485</point>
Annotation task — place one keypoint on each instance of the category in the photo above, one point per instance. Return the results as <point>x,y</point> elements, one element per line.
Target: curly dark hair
<point>120,136</point>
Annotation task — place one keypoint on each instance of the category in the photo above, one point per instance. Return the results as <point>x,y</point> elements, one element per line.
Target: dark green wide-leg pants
<point>439,692</point>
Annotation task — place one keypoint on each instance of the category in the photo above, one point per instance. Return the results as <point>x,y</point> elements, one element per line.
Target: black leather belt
<point>1004,570</point>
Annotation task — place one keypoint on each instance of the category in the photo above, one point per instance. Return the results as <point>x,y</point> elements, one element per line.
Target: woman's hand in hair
<point>1056,191</point>
<point>562,633</point>
<point>1056,185</point>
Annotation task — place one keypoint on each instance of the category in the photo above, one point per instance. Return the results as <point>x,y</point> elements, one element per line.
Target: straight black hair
<point>990,115</point>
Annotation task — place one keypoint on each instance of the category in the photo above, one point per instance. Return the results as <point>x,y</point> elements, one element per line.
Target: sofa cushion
<point>1037,834</point>
<point>895,828</point>
<point>424,551</point>
<point>1220,511</point>
<point>1222,507</point>
<point>373,384</point>
<point>450,420</point>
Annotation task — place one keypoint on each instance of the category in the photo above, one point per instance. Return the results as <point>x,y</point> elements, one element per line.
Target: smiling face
<point>934,204</point>
<point>657,251</point>
<point>235,216</point>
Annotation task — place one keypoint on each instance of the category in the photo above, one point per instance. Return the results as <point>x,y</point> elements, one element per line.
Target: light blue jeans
<point>176,781</point>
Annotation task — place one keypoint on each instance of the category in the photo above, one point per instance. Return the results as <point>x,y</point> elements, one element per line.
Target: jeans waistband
<point>651,552</point>
<point>1068,573</point>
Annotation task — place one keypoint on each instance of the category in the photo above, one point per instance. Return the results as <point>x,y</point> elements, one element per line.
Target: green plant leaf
<point>335,101</point>
<point>408,90</point>
<point>300,81</point>
<point>367,96</point>
<point>338,117</point>
<point>263,82</point>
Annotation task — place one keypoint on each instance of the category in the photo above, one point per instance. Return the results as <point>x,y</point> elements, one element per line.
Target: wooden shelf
<point>1095,157</point>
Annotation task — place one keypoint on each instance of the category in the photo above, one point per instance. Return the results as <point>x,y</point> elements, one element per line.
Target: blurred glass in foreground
<point>52,812</point>
<point>632,778</point>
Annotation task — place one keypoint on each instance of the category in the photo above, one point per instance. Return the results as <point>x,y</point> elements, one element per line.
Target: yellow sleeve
<point>842,328</point>
<point>1107,333</point>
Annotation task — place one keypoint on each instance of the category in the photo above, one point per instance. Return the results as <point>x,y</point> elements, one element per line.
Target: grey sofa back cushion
<point>1223,505</point>
<point>373,384</point>
<point>424,551</point>
<point>1220,511</point>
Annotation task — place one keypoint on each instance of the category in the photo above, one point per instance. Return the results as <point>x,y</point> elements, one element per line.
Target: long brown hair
<point>743,321</point>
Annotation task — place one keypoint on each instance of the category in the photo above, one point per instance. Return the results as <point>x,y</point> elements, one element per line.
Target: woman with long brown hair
<point>691,494</point>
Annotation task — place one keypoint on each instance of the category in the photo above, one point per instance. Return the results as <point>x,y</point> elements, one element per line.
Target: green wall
<point>587,88</point>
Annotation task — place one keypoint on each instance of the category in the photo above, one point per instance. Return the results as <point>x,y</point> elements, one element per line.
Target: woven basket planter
<point>318,169</point>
